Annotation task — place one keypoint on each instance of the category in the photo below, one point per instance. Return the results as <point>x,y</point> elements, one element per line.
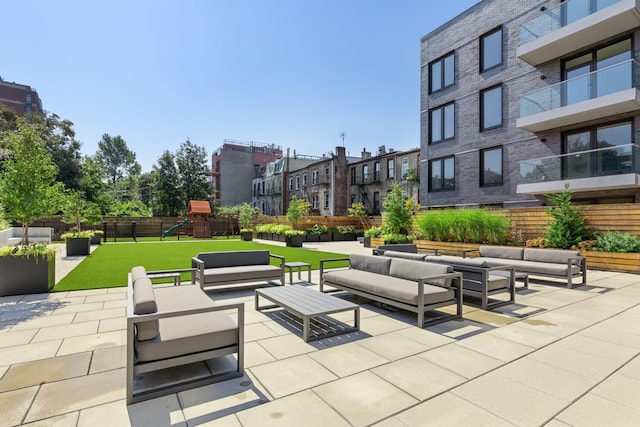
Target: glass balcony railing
<point>605,81</point>
<point>616,160</point>
<point>562,15</point>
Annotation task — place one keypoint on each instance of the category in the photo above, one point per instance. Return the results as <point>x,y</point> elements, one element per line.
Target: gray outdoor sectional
<point>223,268</point>
<point>172,326</point>
<point>558,263</point>
<point>419,287</point>
<point>479,279</point>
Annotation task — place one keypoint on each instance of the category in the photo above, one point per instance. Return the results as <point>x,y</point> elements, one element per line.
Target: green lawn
<point>108,265</point>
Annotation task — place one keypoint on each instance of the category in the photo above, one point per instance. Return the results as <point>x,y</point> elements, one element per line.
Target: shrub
<point>463,225</point>
<point>615,241</point>
<point>346,229</point>
<point>397,238</point>
<point>373,232</point>
<point>317,229</point>
<point>567,228</point>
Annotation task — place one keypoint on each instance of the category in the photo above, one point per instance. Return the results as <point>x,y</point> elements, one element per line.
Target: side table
<point>299,266</point>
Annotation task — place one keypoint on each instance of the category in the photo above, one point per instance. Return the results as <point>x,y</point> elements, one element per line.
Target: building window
<point>442,73</point>
<point>391,169</point>
<point>442,123</point>
<point>405,168</point>
<point>304,180</point>
<point>491,49</point>
<point>314,177</point>
<point>442,174</point>
<point>365,174</point>
<point>326,200</point>
<point>290,184</point>
<point>376,171</point>
<point>353,176</point>
<point>491,167</point>
<point>491,108</point>
<point>613,151</point>
<point>297,182</point>
<point>376,201</point>
<point>314,201</point>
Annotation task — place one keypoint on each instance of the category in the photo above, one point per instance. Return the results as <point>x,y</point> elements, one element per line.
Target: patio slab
<point>45,371</point>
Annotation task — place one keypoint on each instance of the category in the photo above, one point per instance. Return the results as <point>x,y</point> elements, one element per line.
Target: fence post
<point>104,229</point>
<point>133,231</point>
<point>115,231</point>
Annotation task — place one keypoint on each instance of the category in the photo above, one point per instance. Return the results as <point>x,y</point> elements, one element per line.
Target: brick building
<point>371,178</point>
<point>520,97</point>
<point>22,99</point>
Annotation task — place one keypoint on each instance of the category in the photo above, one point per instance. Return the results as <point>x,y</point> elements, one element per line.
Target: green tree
<point>398,211</point>
<point>116,158</point>
<point>193,171</point>
<point>28,187</point>
<point>92,184</point>
<point>168,197</point>
<point>297,209</point>
<point>358,211</point>
<point>567,227</point>
<point>74,209</point>
<point>246,215</point>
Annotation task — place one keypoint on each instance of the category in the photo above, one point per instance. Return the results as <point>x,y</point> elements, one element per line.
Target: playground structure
<point>174,228</point>
<point>199,212</point>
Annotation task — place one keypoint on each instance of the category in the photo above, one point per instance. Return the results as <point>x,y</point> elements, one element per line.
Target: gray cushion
<point>234,258</point>
<point>398,247</point>
<point>393,288</point>
<point>494,283</point>
<point>187,334</point>
<point>144,302</point>
<point>501,252</point>
<point>405,255</point>
<point>450,259</point>
<point>370,263</point>
<point>137,273</point>
<point>549,255</point>
<point>241,273</point>
<point>414,270</point>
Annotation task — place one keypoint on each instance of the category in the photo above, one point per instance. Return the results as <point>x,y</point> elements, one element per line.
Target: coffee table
<point>307,304</point>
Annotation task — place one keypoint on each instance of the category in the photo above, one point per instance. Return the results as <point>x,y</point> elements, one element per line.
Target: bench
<point>557,263</point>
<point>13,236</point>
<point>479,279</point>
<point>415,286</point>
<point>170,326</point>
<point>223,268</point>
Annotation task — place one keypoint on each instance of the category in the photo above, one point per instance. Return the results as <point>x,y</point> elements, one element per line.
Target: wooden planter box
<point>26,275</point>
<point>78,246</point>
<point>376,241</point>
<point>613,261</point>
<point>446,248</point>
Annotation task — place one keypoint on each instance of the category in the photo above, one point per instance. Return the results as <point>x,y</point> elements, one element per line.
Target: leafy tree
<point>246,215</point>
<point>131,208</point>
<point>92,185</point>
<point>168,197</point>
<point>74,209</point>
<point>28,187</point>
<point>116,158</point>
<point>297,209</point>
<point>398,212</point>
<point>567,228</point>
<point>147,183</point>
<point>358,211</point>
<point>193,172</point>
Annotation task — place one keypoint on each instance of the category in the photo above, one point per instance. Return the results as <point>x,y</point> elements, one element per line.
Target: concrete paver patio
<point>557,357</point>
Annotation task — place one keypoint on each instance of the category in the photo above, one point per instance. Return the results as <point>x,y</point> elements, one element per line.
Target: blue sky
<point>284,72</point>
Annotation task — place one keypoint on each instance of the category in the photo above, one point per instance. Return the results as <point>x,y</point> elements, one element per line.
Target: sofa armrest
<point>428,250</point>
<point>198,265</point>
<point>326,261</point>
<point>280,257</point>
<point>466,251</point>
<point>425,280</point>
<point>581,260</point>
<point>456,284</point>
<point>136,318</point>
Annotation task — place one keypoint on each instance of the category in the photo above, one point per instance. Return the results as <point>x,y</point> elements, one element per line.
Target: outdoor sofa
<point>170,326</point>
<point>415,286</point>
<point>223,268</point>
<point>479,279</point>
<point>558,263</point>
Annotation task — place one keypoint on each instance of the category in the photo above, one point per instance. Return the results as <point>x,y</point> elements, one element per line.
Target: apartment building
<point>233,167</point>
<point>23,99</point>
<point>371,178</point>
<point>269,187</point>
<point>322,183</point>
<point>520,97</point>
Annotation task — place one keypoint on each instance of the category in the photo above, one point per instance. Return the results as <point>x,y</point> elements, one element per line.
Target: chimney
<point>340,152</point>
<point>365,154</point>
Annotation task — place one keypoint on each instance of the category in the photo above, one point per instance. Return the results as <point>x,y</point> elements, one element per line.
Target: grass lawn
<point>108,265</point>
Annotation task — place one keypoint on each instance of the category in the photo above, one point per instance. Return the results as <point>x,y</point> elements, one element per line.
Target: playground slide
<point>175,227</point>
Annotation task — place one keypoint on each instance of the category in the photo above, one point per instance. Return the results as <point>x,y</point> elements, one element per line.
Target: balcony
<point>610,168</point>
<point>574,24</point>
<point>606,92</point>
